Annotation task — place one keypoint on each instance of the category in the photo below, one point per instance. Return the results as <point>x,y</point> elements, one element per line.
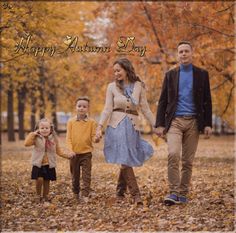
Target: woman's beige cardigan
<point>115,99</point>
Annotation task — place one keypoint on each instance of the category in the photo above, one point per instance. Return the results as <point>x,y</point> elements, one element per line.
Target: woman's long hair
<point>129,69</point>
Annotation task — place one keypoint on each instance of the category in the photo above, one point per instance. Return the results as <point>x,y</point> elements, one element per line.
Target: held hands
<point>159,131</point>
<point>98,135</point>
<point>72,155</point>
<point>96,139</point>
<point>207,132</point>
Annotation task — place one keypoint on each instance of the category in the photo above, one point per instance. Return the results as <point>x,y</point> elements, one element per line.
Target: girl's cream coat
<point>39,149</point>
<point>115,99</point>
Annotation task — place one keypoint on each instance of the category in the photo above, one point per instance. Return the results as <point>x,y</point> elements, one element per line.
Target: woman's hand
<point>159,131</point>
<point>97,139</point>
<point>99,132</point>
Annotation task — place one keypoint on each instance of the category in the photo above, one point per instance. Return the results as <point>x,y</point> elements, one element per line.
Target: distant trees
<point>37,83</point>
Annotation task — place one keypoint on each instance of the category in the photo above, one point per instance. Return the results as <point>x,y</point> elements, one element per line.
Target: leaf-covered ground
<point>211,206</point>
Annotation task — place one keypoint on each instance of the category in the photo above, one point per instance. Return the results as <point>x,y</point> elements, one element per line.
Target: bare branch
<point>232,17</point>
<point>12,58</point>
<point>211,29</point>
<point>226,8</point>
<point>198,35</point>
<point>227,76</point>
<point>153,28</point>
<point>158,61</point>
<point>154,61</point>
<point>229,100</point>
<point>219,85</point>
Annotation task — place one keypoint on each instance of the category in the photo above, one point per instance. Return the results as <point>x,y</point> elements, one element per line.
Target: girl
<point>123,144</point>
<point>46,147</point>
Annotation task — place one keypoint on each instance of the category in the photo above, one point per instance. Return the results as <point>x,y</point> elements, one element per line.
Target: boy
<point>80,135</point>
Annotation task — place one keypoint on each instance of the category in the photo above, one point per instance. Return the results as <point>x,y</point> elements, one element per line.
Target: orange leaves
<point>211,206</point>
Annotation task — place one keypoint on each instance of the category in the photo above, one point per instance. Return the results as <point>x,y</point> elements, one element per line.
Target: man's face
<point>185,54</point>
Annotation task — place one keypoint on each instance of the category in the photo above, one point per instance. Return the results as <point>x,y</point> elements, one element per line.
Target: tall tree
<point>21,95</point>
<point>10,112</point>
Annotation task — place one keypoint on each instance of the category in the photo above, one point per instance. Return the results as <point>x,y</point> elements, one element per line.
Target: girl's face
<point>44,128</point>
<point>119,72</point>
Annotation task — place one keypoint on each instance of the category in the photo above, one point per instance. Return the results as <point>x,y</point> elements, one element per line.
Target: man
<point>184,110</point>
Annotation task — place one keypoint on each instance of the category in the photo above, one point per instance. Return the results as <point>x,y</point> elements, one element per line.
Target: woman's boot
<point>132,185</point>
<point>121,185</point>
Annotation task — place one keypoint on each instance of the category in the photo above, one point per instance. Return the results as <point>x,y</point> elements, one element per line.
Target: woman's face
<point>119,72</point>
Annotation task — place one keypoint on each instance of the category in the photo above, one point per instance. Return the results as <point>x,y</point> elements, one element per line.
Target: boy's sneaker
<point>171,199</point>
<point>183,200</point>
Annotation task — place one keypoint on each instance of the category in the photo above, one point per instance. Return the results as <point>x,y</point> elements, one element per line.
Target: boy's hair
<point>184,42</point>
<point>86,98</point>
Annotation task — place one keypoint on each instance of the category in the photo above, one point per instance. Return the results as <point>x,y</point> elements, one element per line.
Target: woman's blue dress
<point>123,144</point>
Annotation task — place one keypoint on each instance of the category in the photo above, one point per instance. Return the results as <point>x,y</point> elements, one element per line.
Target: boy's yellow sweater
<point>80,135</point>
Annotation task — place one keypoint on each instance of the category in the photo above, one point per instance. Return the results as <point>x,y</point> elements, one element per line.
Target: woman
<point>123,144</point>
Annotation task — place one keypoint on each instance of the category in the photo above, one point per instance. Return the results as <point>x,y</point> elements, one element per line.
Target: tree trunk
<point>53,99</point>
<point>41,92</point>
<point>33,112</point>
<point>0,110</point>
<point>21,111</point>
<point>10,113</point>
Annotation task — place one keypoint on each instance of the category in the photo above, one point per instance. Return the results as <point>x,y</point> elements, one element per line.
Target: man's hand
<point>207,132</point>
<point>159,131</point>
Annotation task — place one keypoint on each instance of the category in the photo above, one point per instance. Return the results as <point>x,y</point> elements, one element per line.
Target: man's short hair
<point>86,98</point>
<point>184,42</point>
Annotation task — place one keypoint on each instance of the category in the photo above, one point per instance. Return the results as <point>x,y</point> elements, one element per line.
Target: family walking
<point>184,111</point>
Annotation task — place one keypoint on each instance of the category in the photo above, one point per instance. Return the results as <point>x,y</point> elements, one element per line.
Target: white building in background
<point>219,126</point>
<point>62,118</point>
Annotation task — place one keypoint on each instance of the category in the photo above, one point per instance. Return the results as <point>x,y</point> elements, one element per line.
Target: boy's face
<point>82,107</point>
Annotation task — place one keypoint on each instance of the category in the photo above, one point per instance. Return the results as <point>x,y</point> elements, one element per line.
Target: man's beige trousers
<point>182,136</point>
